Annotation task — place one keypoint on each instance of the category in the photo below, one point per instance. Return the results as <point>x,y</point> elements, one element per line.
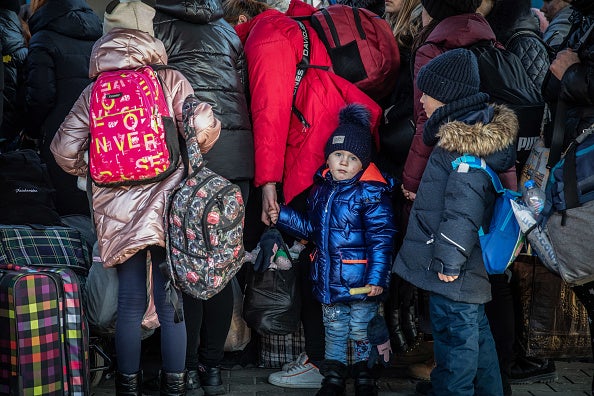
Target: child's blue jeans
<point>465,355</point>
<point>348,320</point>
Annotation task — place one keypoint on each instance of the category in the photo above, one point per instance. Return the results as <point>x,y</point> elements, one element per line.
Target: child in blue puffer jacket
<point>350,221</point>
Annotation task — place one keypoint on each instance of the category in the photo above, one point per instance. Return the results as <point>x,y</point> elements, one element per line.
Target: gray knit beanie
<point>130,14</point>
<point>450,76</point>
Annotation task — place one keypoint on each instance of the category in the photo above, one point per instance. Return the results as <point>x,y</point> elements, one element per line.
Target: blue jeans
<point>348,320</point>
<point>465,355</point>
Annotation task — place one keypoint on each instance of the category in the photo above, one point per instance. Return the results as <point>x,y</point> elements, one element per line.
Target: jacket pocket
<point>353,265</point>
<point>425,230</point>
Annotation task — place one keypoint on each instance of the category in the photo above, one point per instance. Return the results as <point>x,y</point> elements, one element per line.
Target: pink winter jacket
<point>130,218</point>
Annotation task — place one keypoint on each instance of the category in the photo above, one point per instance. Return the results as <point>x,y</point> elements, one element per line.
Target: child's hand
<point>375,290</point>
<point>273,214</point>
<point>447,278</point>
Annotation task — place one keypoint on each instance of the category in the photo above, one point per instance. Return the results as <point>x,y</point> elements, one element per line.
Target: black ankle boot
<point>365,380</point>
<point>211,381</point>
<point>409,324</point>
<point>334,381</point>
<point>193,384</point>
<point>128,384</point>
<point>173,384</point>
<point>397,338</point>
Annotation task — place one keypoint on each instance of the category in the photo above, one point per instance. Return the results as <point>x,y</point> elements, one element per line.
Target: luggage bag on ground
<point>44,348</point>
<point>44,245</point>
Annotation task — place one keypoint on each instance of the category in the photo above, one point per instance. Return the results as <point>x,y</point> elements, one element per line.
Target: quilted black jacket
<point>524,40</point>
<point>518,29</point>
<point>208,52</point>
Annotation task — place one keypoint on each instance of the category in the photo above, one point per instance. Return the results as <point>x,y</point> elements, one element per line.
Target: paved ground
<point>574,379</point>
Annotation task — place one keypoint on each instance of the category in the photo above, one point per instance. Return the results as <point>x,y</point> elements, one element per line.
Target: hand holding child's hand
<point>375,290</point>
<point>273,214</point>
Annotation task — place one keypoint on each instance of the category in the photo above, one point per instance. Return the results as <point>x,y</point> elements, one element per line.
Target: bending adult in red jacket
<point>273,45</point>
<point>289,150</point>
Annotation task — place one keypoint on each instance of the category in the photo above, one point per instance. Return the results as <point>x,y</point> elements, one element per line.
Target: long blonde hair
<point>407,23</point>
<point>35,5</point>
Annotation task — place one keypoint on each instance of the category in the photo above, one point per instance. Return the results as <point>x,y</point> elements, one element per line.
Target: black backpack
<point>506,81</point>
<point>26,193</point>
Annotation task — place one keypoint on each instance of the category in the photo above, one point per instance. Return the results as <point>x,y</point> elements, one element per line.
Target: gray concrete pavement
<point>575,379</point>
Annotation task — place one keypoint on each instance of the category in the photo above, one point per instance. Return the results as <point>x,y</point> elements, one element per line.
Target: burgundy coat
<point>453,32</point>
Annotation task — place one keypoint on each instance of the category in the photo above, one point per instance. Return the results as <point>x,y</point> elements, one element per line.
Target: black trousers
<point>311,308</point>
<point>501,315</point>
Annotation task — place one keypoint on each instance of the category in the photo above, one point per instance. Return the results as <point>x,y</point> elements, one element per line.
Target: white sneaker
<point>299,374</point>
<point>301,359</point>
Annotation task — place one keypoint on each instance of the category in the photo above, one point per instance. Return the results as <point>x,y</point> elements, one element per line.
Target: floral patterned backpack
<point>204,225</point>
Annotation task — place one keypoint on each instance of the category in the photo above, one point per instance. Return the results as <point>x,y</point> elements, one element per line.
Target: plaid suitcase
<point>43,245</point>
<point>44,348</point>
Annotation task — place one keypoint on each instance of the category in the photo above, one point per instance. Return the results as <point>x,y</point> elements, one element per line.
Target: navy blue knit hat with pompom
<point>353,133</point>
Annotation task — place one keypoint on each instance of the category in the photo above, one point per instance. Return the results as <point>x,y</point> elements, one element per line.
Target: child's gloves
<point>379,338</point>
<point>270,242</point>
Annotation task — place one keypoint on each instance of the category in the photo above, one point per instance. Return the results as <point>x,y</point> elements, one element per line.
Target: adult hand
<point>375,290</point>
<point>562,62</point>
<point>408,194</point>
<point>447,278</point>
<point>269,202</point>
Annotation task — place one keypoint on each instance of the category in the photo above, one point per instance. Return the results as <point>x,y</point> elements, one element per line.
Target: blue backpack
<point>503,241</point>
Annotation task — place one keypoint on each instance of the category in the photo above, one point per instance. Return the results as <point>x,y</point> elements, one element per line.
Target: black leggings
<point>207,325</point>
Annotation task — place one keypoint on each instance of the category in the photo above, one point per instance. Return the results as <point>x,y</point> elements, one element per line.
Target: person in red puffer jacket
<point>290,149</point>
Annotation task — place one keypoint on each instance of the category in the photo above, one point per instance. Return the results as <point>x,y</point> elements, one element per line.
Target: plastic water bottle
<point>534,197</point>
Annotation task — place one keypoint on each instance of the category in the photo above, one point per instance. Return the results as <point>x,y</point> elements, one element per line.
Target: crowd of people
<point>366,185</point>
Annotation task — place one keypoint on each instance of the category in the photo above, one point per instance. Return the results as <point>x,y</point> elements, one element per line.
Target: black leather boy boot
<point>397,338</point>
<point>128,384</point>
<point>365,380</point>
<point>334,381</point>
<point>409,324</point>
<point>173,384</point>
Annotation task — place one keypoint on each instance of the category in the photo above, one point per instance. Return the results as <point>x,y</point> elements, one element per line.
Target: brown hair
<point>25,30</point>
<point>35,5</point>
<point>407,23</point>
<point>232,9</point>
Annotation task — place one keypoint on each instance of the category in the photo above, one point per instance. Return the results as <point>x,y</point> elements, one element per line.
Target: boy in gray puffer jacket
<point>441,251</point>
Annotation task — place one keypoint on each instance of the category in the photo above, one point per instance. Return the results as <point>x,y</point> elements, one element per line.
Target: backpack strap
<point>301,69</point>
<point>466,161</point>
<point>570,184</point>
<point>558,134</point>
